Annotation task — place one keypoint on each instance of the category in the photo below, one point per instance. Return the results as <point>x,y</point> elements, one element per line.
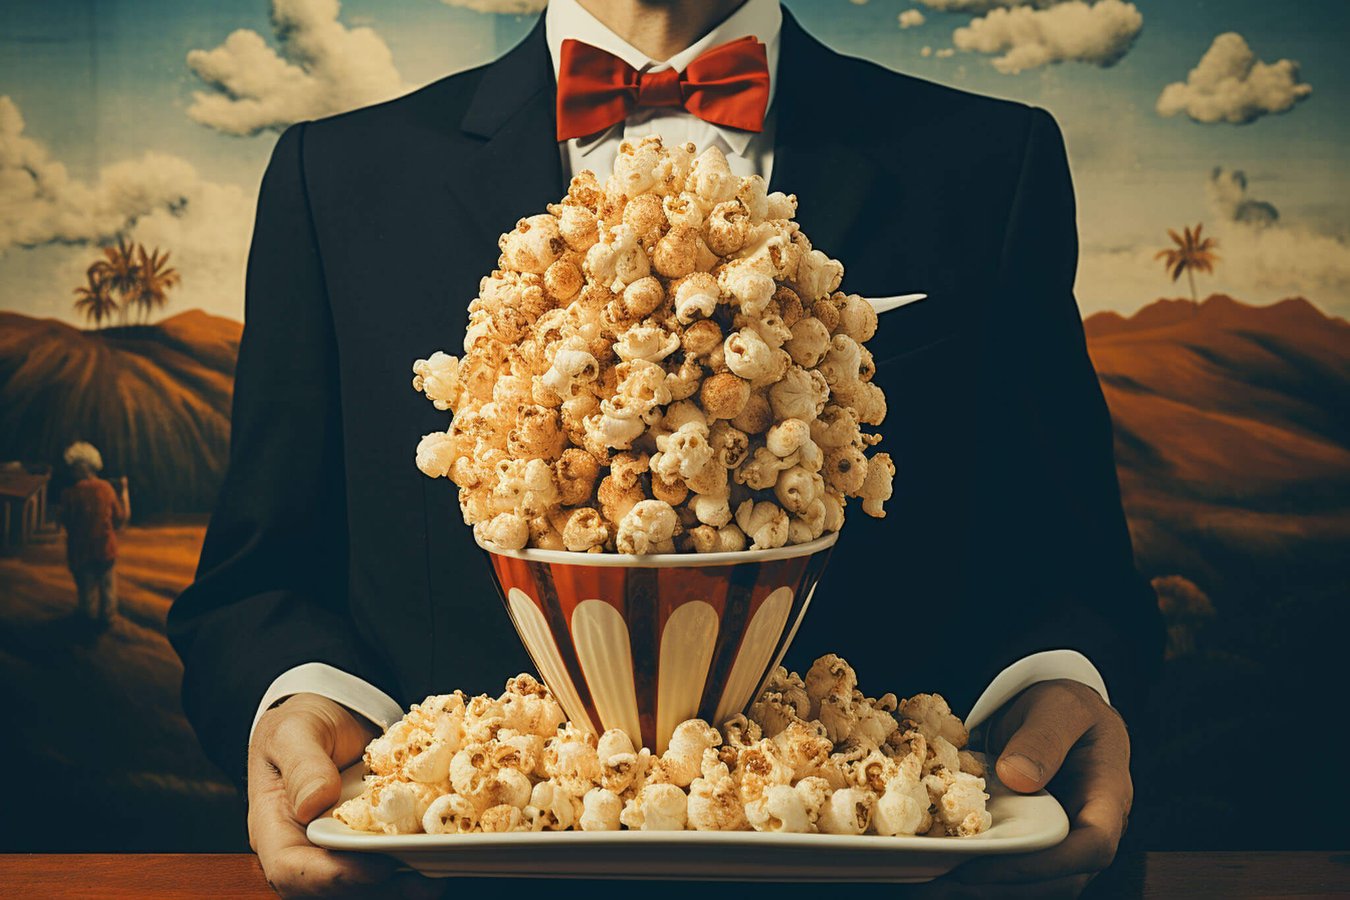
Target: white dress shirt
<point>748,153</point>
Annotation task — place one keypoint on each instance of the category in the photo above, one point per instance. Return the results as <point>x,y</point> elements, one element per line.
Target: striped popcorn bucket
<point>642,643</point>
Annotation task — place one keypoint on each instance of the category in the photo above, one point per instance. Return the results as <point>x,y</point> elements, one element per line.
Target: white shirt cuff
<point>361,697</point>
<point>1048,665</point>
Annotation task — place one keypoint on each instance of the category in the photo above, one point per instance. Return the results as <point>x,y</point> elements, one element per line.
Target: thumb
<point>300,749</point>
<point>1052,721</point>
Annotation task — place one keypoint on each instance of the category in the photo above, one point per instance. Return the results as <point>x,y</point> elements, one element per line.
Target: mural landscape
<point>1210,173</point>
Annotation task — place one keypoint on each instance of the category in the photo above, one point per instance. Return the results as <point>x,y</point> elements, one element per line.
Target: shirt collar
<point>762,19</point>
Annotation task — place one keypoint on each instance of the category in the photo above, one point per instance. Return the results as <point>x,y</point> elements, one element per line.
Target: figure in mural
<point>92,511</point>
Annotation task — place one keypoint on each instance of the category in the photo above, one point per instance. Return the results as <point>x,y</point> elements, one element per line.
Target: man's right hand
<point>293,762</point>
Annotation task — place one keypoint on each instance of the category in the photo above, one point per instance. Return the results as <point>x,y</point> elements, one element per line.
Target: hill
<point>155,399</point>
<point>1232,435</point>
<point>134,758</point>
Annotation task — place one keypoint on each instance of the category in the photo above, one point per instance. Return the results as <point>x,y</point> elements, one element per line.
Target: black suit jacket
<point>1005,534</point>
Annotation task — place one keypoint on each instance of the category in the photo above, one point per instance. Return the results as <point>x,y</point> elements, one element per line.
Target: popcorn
<point>551,808</point>
<point>647,528</point>
<point>450,814</point>
<point>857,318</point>
<point>902,808</point>
<point>683,759</point>
<point>747,355</point>
<point>505,530</point>
<point>601,809</point>
<point>675,284</point>
<point>847,811</point>
<point>876,486</point>
<point>711,180</point>
<point>617,259</point>
<point>621,766</point>
<point>814,755</point>
<point>780,808</point>
<point>585,531</point>
<point>571,761</point>
<point>756,416</point>
<point>764,523</point>
<point>724,395</point>
<point>437,376</point>
<point>845,469</point>
<point>714,798</point>
<point>933,718</point>
<point>818,276</point>
<point>961,807</point>
<point>436,453</point>
<point>798,488</point>
<point>684,452</point>
<point>657,807</point>
<point>500,819</point>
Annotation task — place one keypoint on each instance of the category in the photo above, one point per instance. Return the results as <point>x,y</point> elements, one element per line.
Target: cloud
<point>1258,249</point>
<point>512,7</point>
<point>157,199</point>
<point>41,204</point>
<point>1074,31</point>
<point>911,18</point>
<point>1231,85</point>
<point>323,68</point>
<point>1226,195</point>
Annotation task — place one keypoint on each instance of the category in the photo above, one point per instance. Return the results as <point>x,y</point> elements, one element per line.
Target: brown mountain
<point>1232,436</point>
<point>155,400</point>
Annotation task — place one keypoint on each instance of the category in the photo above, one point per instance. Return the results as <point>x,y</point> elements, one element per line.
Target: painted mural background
<point>132,139</point>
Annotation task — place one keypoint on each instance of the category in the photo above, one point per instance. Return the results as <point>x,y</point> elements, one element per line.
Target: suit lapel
<point>518,170</point>
<point>816,156</point>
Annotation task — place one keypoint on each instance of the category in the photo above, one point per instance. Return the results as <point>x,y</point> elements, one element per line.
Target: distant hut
<point>23,505</point>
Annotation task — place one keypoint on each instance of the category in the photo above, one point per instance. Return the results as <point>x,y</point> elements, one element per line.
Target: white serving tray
<point>1022,824</point>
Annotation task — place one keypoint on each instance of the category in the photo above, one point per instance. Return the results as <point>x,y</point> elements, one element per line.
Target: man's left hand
<point>1061,734</point>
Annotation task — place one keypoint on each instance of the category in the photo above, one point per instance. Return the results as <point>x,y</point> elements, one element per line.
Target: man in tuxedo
<point>337,584</point>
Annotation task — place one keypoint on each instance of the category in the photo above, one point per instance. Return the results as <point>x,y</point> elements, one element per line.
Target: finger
<point>1089,848</point>
<point>1099,803</point>
<point>1052,721</point>
<point>301,748</point>
<point>294,866</point>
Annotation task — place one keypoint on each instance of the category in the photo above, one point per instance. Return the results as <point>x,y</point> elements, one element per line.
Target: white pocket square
<point>885,304</point>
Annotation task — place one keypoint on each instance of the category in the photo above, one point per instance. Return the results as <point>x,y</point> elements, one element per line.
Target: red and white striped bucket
<point>643,643</point>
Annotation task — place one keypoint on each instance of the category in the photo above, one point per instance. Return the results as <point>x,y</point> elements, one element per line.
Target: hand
<point>293,763</point>
<point>1061,734</point>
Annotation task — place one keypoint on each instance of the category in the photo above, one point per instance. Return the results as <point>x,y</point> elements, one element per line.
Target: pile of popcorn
<point>660,363</point>
<point>813,756</point>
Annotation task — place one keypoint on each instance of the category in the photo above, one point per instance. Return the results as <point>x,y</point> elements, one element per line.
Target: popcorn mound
<point>812,756</point>
<point>662,363</point>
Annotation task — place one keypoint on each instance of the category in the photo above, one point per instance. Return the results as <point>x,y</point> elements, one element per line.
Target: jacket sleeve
<point>271,587</point>
<point>1094,599</point>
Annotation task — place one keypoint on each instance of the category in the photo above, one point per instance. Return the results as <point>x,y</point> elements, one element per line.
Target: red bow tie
<point>727,85</point>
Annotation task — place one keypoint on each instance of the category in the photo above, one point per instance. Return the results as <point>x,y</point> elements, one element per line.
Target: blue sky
<point>100,83</point>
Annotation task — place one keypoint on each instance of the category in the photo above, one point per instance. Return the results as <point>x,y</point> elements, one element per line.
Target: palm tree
<point>119,270</point>
<point>95,299</point>
<point>154,279</point>
<point>1191,254</point>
